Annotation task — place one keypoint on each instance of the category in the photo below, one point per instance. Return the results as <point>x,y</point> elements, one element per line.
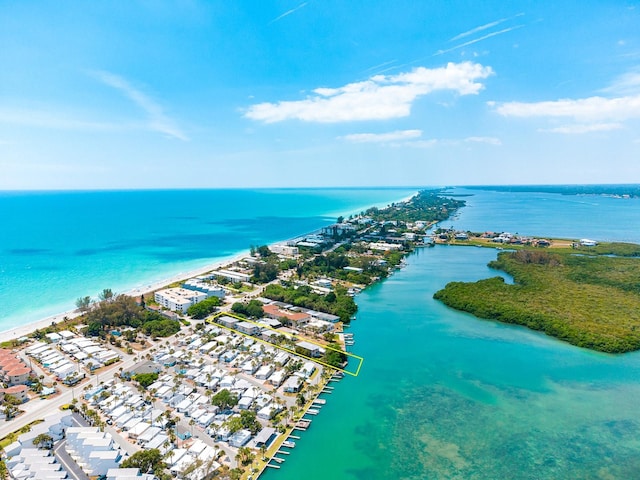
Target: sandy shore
<point>26,330</point>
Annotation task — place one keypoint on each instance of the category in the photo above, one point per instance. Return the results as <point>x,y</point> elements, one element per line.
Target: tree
<point>251,309</point>
<point>106,295</point>
<point>224,399</point>
<point>244,456</point>
<point>250,422</point>
<point>83,304</point>
<point>146,460</point>
<point>203,308</point>
<point>94,329</point>
<point>43,441</point>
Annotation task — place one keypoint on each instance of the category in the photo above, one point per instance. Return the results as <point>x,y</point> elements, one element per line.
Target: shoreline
<point>26,329</point>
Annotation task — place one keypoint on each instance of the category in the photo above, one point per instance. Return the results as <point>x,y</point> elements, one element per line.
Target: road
<point>36,409</point>
<point>65,459</point>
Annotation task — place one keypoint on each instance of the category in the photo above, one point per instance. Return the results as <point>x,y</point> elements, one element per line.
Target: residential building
<point>178,299</point>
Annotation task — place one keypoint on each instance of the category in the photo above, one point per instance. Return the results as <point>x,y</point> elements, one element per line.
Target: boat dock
<point>303,424</point>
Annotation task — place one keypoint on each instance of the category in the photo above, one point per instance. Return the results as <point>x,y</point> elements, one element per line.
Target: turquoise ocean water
<point>443,395</point>
<point>58,246</point>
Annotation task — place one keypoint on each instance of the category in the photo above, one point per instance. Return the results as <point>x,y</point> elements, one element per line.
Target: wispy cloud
<point>488,140</point>
<point>481,28</point>
<point>626,84</point>
<point>288,12</point>
<point>476,40</point>
<point>411,139</point>
<point>157,119</point>
<point>588,110</point>
<point>581,128</point>
<point>382,137</point>
<point>378,98</point>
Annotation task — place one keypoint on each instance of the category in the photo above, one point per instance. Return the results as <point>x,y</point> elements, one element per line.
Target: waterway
<point>443,395</point>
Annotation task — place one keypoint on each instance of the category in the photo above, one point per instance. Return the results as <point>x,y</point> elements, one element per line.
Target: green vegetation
<point>253,309</point>
<point>427,205</point>
<point>146,379</point>
<point>123,311</point>
<point>224,399</point>
<point>247,420</point>
<point>334,355</point>
<point>265,272</point>
<point>204,308</point>
<point>162,327</point>
<point>590,301</point>
<point>338,303</point>
<point>148,461</point>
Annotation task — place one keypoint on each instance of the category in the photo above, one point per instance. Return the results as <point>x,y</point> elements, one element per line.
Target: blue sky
<point>146,94</point>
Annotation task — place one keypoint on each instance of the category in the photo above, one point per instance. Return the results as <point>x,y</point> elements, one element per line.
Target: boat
<point>288,444</point>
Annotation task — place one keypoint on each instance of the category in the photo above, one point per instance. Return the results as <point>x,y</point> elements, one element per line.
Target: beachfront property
<point>200,285</point>
<point>339,229</point>
<point>232,276</point>
<point>283,249</point>
<point>178,299</point>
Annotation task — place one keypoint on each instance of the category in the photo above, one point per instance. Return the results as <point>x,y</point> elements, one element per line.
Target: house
<point>277,378</point>
<point>309,349</point>
<point>264,372</point>
<point>286,316</point>
<point>228,322</point>
<point>293,384</point>
<point>248,328</point>
<point>240,438</point>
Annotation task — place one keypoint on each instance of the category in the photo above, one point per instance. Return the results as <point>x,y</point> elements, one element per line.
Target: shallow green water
<point>443,395</point>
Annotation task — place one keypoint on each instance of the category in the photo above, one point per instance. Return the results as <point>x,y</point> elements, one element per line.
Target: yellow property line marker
<point>212,320</point>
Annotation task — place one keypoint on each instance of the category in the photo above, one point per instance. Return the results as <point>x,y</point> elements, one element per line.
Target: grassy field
<point>588,298</point>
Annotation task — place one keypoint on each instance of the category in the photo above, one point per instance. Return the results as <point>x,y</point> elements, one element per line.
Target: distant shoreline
<point>25,330</point>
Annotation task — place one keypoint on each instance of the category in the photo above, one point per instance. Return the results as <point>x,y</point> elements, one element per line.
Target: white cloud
<point>378,98</point>
<point>488,140</point>
<point>580,128</point>
<point>382,137</point>
<point>588,110</point>
<point>157,119</point>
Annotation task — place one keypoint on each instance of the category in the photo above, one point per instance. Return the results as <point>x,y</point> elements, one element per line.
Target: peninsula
<point>582,292</point>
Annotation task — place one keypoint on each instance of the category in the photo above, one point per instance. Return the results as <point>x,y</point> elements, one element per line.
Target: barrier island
<point>587,297</point>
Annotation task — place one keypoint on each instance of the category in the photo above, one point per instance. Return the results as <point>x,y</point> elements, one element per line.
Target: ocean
<point>441,394</point>
<point>444,395</point>
<point>58,246</point>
